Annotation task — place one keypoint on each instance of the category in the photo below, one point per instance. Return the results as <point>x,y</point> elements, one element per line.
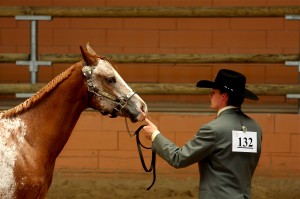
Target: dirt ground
<point>130,186</point>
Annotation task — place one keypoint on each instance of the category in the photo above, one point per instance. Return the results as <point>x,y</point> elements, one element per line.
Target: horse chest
<point>12,137</point>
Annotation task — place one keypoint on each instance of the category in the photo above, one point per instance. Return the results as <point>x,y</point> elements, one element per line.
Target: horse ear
<point>88,57</point>
<point>90,50</point>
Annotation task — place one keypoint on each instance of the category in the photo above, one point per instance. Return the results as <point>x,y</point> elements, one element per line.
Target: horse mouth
<point>137,117</point>
<point>134,118</point>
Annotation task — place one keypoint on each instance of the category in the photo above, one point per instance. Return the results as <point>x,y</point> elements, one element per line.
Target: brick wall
<point>102,144</point>
<point>156,35</point>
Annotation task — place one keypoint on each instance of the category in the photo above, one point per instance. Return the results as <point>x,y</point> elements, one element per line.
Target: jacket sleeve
<point>193,151</point>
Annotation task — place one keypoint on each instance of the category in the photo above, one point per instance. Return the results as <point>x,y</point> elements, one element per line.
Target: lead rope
<point>140,146</point>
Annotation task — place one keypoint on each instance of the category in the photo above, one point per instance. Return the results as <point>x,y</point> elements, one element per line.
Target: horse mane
<point>38,96</point>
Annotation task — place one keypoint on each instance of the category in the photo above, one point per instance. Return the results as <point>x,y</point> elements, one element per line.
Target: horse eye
<point>111,80</point>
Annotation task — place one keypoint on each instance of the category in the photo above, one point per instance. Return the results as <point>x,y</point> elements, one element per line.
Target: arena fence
<point>145,88</point>
<point>160,58</point>
<point>276,11</point>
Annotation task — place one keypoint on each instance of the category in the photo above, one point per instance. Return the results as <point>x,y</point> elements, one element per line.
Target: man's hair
<point>233,98</point>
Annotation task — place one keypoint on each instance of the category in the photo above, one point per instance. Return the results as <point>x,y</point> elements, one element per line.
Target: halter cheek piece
<point>120,102</point>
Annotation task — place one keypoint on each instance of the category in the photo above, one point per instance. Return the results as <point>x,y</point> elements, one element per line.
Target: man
<point>226,149</point>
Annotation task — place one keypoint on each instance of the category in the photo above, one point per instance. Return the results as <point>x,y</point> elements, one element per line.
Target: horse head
<point>108,92</point>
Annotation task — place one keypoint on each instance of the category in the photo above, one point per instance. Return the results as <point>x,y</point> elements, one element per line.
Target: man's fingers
<point>148,121</point>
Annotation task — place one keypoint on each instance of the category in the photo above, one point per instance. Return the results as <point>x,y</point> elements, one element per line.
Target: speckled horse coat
<point>33,134</point>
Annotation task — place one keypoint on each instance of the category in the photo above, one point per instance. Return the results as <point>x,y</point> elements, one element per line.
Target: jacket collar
<point>222,110</point>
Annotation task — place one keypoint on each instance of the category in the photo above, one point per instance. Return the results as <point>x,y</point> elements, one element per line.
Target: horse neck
<point>51,121</point>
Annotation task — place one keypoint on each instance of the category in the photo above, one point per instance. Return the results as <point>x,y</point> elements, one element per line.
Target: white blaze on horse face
<point>105,69</point>
<point>103,73</point>
<point>12,133</point>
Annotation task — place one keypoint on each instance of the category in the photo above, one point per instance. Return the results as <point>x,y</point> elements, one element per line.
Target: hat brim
<point>209,84</point>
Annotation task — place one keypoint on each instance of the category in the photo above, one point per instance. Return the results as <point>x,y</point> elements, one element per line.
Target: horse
<point>34,133</point>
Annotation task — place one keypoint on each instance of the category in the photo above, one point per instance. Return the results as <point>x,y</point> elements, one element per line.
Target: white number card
<point>244,141</point>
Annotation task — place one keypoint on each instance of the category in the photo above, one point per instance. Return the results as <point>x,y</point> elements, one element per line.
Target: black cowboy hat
<point>231,81</point>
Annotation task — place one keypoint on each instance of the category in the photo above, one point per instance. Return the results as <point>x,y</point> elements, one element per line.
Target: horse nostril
<point>144,109</point>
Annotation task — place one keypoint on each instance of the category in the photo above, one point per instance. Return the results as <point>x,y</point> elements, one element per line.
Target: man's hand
<point>149,129</point>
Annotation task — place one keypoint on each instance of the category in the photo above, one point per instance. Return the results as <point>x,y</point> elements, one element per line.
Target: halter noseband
<point>120,102</point>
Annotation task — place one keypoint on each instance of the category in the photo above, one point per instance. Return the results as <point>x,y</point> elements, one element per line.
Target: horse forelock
<point>109,61</point>
<point>38,96</point>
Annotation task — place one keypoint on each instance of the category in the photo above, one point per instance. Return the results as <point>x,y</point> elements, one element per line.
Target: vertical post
<point>294,63</point>
<point>33,46</point>
<point>33,63</point>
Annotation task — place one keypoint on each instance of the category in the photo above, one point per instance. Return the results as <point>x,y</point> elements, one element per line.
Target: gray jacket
<point>223,173</point>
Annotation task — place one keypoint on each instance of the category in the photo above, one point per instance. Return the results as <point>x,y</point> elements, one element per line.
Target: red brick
<point>104,140</point>
<point>183,123</point>
<point>277,100</point>
<point>10,73</point>
<point>59,68</point>
<point>78,36</point>
<point>6,49</point>
<point>45,37</point>
<point>78,3</point>
<point>78,153</point>
<point>290,51</point>
<point>131,3</point>
<point>281,74</point>
<point>285,163</point>
<point>283,2</point>
<point>79,159</point>
<point>139,72</point>
<point>239,39</point>
<point>185,3</point>
<point>11,36</point>
<point>96,23</point>
<point>89,121</point>
<point>44,74</point>
<point>121,160</point>
<point>150,50</point>
<point>44,49</point>
<point>150,23</point>
<point>125,142</point>
<point>239,3</point>
<point>183,39</point>
<point>276,143</point>
<point>55,23</point>
<point>76,163</point>
<point>115,124</point>
<point>287,123</point>
<point>132,38</point>
<point>203,23</point>
<point>264,165</point>
<point>8,22</point>
<point>295,143</point>
<point>182,73</point>
<point>203,50</point>
<point>257,23</point>
<point>291,25</point>
<point>266,122</point>
<point>283,39</point>
<point>198,99</point>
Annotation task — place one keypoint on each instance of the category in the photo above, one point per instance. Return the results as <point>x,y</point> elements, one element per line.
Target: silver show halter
<point>120,102</point>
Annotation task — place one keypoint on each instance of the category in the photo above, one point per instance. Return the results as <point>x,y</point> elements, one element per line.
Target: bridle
<point>120,102</point>
<point>140,146</point>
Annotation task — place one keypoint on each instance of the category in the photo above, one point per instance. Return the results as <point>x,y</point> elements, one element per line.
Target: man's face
<point>218,100</point>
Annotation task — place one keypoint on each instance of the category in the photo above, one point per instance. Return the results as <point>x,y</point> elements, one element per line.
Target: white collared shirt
<point>225,108</point>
